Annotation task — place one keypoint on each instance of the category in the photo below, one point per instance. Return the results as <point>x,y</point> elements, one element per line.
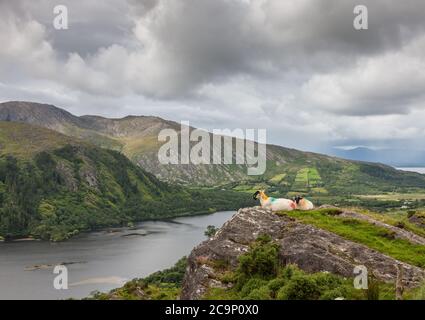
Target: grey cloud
<point>179,46</point>
<point>92,24</point>
<point>296,67</point>
<point>204,41</point>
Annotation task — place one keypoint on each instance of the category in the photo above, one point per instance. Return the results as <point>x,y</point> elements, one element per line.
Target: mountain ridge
<point>288,171</point>
<point>396,157</point>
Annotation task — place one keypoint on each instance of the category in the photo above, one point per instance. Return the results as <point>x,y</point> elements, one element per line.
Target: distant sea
<point>413,169</point>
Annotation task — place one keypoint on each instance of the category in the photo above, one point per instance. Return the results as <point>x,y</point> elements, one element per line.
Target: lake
<point>99,260</point>
<point>413,169</point>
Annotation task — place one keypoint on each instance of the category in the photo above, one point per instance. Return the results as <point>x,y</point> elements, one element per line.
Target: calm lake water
<point>417,169</point>
<point>99,260</point>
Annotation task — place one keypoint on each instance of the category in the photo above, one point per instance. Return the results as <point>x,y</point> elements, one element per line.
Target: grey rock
<point>311,248</point>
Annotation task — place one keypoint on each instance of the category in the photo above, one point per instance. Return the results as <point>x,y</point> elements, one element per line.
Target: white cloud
<point>391,83</point>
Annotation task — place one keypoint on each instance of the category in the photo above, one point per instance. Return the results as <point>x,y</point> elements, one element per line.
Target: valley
<point>64,177</point>
<point>61,174</point>
<point>288,171</point>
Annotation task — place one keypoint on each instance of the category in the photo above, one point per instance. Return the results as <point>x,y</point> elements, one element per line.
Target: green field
<point>394,196</point>
<point>305,180</point>
<point>278,178</point>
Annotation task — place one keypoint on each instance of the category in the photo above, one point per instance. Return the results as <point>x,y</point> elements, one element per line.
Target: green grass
<point>396,218</point>
<point>395,196</point>
<point>319,190</point>
<point>363,232</point>
<point>278,178</point>
<point>24,141</point>
<point>249,188</point>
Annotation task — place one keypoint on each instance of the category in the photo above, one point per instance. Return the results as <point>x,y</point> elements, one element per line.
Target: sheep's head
<point>297,199</point>
<point>258,194</point>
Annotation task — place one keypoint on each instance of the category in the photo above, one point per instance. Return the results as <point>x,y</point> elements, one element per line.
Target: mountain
<point>288,171</point>
<point>53,186</point>
<point>390,156</point>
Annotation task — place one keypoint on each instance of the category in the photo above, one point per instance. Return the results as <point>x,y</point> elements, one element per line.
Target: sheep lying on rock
<point>274,204</point>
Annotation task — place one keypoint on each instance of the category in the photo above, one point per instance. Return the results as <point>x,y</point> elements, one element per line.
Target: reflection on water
<point>99,260</point>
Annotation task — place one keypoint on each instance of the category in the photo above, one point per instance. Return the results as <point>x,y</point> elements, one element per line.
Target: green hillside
<point>53,187</point>
<point>24,141</point>
<point>325,176</point>
<point>288,171</point>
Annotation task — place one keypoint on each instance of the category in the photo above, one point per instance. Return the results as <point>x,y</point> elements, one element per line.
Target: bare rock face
<point>418,219</point>
<point>311,248</point>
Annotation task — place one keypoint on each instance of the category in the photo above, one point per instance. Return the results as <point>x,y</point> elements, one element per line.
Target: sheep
<point>275,204</point>
<point>303,204</point>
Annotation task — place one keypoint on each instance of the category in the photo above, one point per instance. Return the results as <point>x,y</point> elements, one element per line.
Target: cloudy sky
<point>295,67</point>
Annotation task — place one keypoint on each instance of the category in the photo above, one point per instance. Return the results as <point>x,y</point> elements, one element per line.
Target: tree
<point>210,231</point>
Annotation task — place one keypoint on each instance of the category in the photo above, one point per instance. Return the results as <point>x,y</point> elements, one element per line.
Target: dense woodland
<point>58,194</point>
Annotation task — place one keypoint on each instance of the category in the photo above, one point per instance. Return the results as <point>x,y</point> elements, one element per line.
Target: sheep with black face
<point>303,204</point>
<point>274,204</point>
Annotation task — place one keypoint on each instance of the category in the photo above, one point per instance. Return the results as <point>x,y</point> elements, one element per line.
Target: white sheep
<point>274,204</point>
<point>303,204</point>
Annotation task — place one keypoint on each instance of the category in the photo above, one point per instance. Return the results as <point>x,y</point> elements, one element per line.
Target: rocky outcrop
<point>311,248</point>
<point>418,219</point>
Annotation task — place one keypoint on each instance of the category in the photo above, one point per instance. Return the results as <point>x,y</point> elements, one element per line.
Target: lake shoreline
<point>95,260</point>
<point>29,238</point>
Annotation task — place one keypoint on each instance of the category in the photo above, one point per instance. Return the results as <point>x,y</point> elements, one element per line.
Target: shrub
<point>373,290</point>
<point>340,292</point>
<point>289,271</point>
<point>300,288</point>
<point>251,285</point>
<point>261,261</point>
<point>172,275</point>
<point>262,293</point>
<point>227,277</point>
<point>210,231</point>
<point>327,281</point>
<point>275,284</point>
